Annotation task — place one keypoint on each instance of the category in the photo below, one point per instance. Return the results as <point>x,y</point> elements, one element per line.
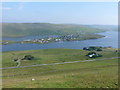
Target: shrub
<point>28,57</point>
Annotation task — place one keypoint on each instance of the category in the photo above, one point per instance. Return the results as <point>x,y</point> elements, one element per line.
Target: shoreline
<point>94,36</point>
<point>74,44</point>
<point>54,49</point>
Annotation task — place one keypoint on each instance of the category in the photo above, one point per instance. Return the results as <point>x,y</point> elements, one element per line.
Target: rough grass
<point>97,74</point>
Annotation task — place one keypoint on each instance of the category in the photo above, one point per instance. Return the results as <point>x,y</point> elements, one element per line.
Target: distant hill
<point>27,29</point>
<point>105,27</point>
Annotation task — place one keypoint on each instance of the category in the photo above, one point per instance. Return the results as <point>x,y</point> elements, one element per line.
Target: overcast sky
<point>105,13</point>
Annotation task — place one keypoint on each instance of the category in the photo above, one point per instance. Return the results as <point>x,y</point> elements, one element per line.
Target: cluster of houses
<point>54,39</point>
<point>50,39</point>
<point>70,37</point>
<point>46,40</point>
<point>93,54</point>
<point>26,57</point>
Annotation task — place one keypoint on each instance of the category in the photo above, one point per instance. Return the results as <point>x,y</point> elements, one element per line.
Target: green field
<point>92,74</point>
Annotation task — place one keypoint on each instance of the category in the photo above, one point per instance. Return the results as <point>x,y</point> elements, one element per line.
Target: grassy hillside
<point>47,56</point>
<point>26,29</point>
<point>97,74</point>
<point>94,74</point>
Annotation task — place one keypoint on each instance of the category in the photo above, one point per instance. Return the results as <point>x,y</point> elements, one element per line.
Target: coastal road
<point>60,63</point>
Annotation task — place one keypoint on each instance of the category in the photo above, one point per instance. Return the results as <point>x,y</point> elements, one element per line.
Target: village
<point>53,39</point>
<point>47,39</point>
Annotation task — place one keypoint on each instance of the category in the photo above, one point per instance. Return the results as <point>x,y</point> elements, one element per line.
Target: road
<point>59,63</point>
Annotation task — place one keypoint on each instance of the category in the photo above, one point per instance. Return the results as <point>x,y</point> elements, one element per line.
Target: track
<point>59,63</point>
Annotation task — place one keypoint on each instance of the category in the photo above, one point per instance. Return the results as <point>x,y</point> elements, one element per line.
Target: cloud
<point>5,8</point>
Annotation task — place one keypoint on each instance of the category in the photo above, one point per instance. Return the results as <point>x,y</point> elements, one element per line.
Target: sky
<point>102,13</point>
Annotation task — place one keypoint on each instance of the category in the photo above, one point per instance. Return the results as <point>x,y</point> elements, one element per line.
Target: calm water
<point>111,39</point>
<point>27,37</point>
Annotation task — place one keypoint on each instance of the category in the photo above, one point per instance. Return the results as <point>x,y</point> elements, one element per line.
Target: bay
<point>110,39</point>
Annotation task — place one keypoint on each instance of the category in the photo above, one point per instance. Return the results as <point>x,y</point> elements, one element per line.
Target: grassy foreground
<point>94,74</point>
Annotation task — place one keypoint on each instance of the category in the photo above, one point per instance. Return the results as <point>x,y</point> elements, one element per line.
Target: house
<point>49,39</point>
<point>93,55</point>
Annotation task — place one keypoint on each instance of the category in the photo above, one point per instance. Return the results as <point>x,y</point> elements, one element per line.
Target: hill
<point>27,29</point>
<point>105,27</point>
